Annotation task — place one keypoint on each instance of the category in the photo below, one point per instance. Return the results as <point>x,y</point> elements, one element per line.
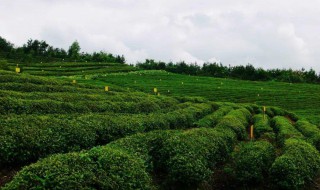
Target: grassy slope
<point>302,99</point>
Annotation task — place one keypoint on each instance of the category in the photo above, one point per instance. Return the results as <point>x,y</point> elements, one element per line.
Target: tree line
<point>247,72</point>
<point>41,51</point>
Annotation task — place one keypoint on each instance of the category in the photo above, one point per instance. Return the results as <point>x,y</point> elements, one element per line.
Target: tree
<point>74,50</point>
<point>5,46</point>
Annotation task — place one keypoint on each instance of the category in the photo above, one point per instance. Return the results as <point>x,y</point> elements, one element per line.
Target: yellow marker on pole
<point>74,81</point>
<point>251,132</point>
<point>18,70</point>
<point>106,88</point>
<point>264,112</point>
<point>155,90</point>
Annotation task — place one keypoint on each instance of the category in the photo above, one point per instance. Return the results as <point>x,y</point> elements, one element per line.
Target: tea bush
<point>299,163</point>
<point>98,168</point>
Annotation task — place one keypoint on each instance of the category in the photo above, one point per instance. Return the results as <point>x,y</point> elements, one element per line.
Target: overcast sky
<point>268,34</point>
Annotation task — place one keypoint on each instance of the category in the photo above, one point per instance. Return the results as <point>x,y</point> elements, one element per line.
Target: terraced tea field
<point>62,135</point>
<point>302,99</point>
<point>68,68</point>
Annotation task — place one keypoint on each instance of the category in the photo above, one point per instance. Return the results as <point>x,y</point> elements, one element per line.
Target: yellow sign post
<point>155,90</point>
<point>74,81</point>
<point>251,132</point>
<point>106,88</point>
<point>264,112</point>
<point>18,70</point>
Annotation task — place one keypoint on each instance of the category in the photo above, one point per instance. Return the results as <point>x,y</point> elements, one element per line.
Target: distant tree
<point>5,46</point>
<point>74,51</point>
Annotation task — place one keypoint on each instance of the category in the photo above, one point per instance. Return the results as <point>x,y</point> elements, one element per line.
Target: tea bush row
<point>237,121</point>
<point>299,164</point>
<point>98,168</point>
<point>25,138</point>
<point>284,129</point>
<point>310,131</point>
<point>261,124</point>
<point>251,161</point>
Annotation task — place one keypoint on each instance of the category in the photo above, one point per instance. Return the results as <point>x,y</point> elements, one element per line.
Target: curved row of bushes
<point>213,119</point>
<point>9,77</point>
<point>31,87</point>
<point>179,159</point>
<point>98,168</point>
<point>310,131</point>
<point>284,129</point>
<point>261,124</point>
<point>275,111</point>
<point>25,138</point>
<point>299,164</point>
<point>186,158</point>
<point>103,70</point>
<point>67,64</point>
<point>236,121</point>
<point>154,152</point>
<point>251,161</point>
<point>10,105</point>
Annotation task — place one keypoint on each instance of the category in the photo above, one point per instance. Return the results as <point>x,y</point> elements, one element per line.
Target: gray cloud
<point>269,34</point>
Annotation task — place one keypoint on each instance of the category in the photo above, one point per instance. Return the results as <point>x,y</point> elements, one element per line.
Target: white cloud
<point>267,34</point>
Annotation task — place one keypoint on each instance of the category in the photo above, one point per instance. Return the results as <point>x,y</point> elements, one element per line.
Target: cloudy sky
<point>268,34</point>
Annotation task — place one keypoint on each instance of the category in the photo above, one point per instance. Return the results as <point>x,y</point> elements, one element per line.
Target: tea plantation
<point>60,129</point>
<point>301,98</point>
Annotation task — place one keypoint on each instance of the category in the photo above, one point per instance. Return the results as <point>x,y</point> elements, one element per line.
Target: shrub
<point>190,156</point>
<point>213,119</point>
<point>310,131</point>
<point>146,145</point>
<point>236,120</point>
<point>64,133</point>
<point>284,129</point>
<point>299,163</point>
<point>261,125</point>
<point>275,111</point>
<point>253,108</point>
<point>252,161</point>
<point>99,168</point>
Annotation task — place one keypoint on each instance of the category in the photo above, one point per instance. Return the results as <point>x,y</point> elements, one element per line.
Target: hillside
<point>299,98</point>
<point>61,134</point>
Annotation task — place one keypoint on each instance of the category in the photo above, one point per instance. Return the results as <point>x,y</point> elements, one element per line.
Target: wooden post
<point>251,132</point>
